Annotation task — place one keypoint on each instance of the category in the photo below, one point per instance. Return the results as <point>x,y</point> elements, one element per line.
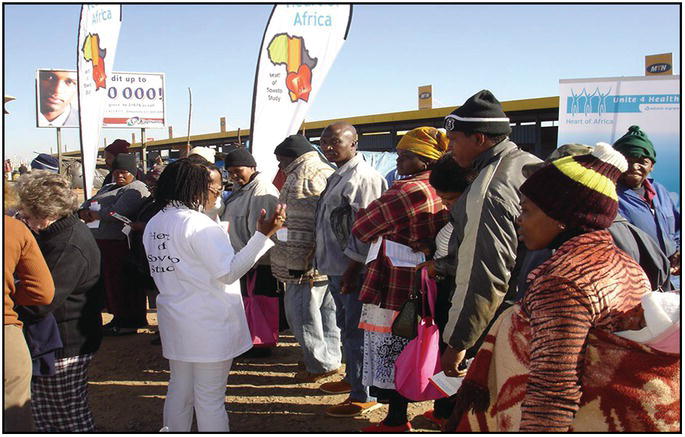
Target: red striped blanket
<point>626,386</point>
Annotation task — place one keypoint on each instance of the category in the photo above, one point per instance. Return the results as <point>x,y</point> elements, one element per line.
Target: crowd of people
<point>548,275</point>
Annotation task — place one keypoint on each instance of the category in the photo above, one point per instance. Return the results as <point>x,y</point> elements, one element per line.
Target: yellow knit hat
<point>425,141</point>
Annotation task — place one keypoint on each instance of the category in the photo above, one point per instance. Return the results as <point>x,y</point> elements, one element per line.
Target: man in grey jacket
<point>352,187</point>
<point>484,220</point>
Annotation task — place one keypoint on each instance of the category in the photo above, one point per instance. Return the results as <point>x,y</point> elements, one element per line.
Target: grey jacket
<point>242,210</point>
<point>305,181</point>
<point>486,241</point>
<point>125,200</point>
<point>351,188</point>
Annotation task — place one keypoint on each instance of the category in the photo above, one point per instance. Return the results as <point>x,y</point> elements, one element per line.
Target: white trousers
<point>198,385</point>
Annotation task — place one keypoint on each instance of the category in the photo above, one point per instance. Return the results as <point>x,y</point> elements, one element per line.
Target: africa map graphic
<point>93,53</point>
<point>291,51</point>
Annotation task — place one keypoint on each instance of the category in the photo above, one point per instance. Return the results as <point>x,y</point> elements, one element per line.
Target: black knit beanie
<point>294,146</point>
<point>125,161</point>
<point>482,113</point>
<point>239,157</point>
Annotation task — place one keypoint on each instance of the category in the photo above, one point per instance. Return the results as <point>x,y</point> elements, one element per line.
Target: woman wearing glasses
<point>200,309</point>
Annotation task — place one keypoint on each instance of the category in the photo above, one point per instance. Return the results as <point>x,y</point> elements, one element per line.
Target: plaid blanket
<point>626,386</point>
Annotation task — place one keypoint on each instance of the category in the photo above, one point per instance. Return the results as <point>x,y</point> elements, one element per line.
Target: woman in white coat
<point>200,310</point>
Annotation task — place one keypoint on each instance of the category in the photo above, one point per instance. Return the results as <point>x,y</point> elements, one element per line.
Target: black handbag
<point>406,324</point>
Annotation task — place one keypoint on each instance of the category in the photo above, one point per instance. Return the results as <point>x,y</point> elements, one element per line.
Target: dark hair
<point>184,181</point>
<point>447,176</point>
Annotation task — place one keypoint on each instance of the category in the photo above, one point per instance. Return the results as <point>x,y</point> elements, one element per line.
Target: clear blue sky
<point>517,51</point>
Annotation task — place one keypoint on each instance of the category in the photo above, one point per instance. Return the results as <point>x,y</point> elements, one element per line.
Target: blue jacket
<point>663,225</point>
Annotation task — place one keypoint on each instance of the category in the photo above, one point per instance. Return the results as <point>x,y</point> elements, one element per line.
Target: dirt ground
<point>128,382</point>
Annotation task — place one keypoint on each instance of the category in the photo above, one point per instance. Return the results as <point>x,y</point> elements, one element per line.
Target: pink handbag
<point>262,314</point>
<point>420,359</point>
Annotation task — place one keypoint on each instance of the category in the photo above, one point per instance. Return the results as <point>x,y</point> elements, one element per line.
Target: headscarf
<point>118,146</point>
<point>425,141</point>
<point>204,152</point>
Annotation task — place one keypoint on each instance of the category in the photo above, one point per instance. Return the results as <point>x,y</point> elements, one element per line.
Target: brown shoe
<point>336,387</point>
<point>305,376</point>
<point>351,408</point>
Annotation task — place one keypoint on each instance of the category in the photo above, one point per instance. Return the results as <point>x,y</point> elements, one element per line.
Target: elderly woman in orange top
<point>553,363</point>
<point>27,282</point>
<point>408,212</point>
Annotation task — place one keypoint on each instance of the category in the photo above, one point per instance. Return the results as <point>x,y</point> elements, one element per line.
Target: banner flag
<point>299,46</point>
<point>594,110</point>
<point>97,43</point>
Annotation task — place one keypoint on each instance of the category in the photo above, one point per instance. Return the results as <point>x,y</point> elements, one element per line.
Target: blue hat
<point>45,162</point>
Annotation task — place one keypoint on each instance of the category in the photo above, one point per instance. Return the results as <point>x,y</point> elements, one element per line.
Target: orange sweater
<point>24,262</point>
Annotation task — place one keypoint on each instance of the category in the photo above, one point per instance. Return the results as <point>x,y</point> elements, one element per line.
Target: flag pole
<point>190,114</point>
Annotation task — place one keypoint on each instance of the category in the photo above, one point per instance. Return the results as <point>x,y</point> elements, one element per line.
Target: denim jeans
<point>348,310</point>
<point>310,311</point>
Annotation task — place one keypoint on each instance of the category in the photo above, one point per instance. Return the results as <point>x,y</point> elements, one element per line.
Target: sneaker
<point>336,387</point>
<point>381,427</point>
<point>305,376</point>
<point>351,408</point>
<point>430,415</point>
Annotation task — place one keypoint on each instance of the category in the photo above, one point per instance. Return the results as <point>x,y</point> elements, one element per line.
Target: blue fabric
<point>310,311</point>
<point>348,311</point>
<point>663,226</point>
<point>383,162</point>
<point>391,177</point>
<point>43,340</point>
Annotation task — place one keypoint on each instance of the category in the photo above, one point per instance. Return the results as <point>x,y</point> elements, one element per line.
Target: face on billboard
<point>57,91</point>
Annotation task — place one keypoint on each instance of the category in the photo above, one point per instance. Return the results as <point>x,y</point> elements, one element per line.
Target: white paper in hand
<point>403,256</point>
<point>127,231</point>
<point>448,385</point>
<point>282,234</point>
<point>94,206</point>
<point>373,250</point>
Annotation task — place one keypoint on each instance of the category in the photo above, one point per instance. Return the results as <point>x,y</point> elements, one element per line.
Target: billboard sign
<point>594,110</point>
<point>659,64</point>
<point>426,97</point>
<point>56,98</point>
<point>134,100</point>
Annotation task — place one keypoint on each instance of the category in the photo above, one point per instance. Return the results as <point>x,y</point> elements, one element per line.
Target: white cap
<point>205,152</point>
